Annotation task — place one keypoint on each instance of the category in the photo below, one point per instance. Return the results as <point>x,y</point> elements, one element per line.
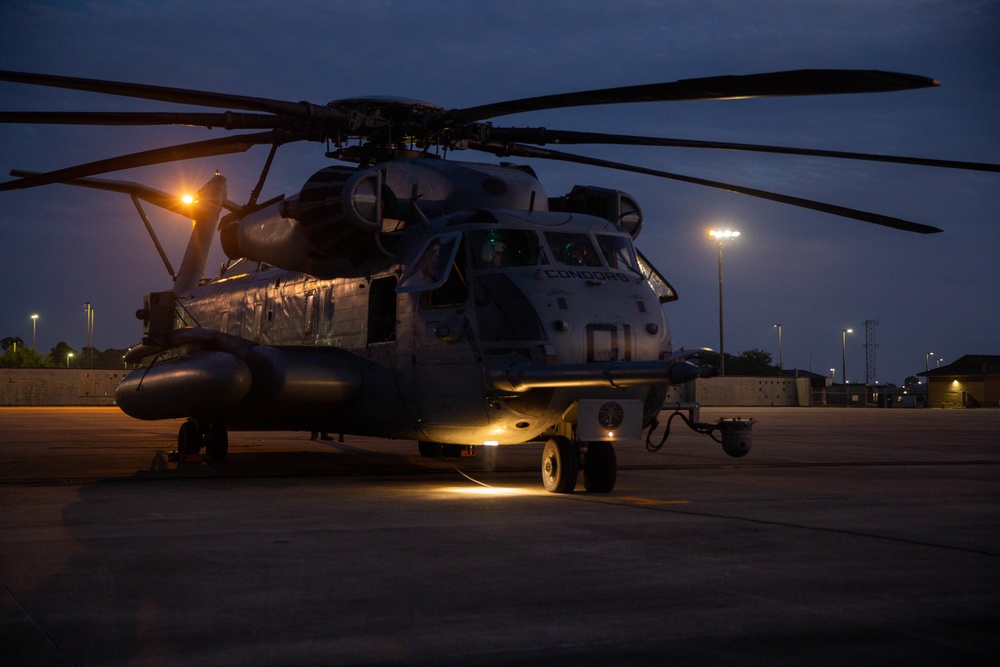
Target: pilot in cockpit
<point>493,253</point>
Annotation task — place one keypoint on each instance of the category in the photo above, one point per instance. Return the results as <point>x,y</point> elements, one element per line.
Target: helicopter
<point>404,294</point>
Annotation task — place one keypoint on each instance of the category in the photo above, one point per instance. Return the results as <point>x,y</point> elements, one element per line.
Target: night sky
<point>814,273</point>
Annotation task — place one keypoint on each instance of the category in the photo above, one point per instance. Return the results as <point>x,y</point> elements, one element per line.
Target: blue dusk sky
<point>814,273</point>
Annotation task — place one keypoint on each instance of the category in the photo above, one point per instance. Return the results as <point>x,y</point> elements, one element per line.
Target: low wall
<point>58,386</point>
<point>73,386</point>
<point>745,391</point>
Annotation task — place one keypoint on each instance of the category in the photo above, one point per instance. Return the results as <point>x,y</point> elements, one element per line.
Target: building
<point>972,381</point>
<point>819,386</point>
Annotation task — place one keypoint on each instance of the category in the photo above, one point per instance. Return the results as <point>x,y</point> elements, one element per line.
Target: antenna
<point>870,347</point>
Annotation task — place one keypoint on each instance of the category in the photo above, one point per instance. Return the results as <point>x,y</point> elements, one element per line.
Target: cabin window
<point>618,252</point>
<point>573,249</point>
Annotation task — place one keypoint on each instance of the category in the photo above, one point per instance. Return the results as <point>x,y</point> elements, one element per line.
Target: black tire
<point>216,442</point>
<point>600,468</point>
<point>559,465</point>
<point>429,450</point>
<point>189,439</point>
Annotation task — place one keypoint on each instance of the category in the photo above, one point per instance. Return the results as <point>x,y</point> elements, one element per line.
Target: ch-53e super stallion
<point>406,295</point>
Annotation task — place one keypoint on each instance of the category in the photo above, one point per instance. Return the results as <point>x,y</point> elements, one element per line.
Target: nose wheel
<point>562,459</point>
<point>559,465</point>
<point>600,467</point>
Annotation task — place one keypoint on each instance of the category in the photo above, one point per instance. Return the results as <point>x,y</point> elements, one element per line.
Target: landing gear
<point>195,434</point>
<point>216,442</point>
<point>559,465</point>
<point>563,458</point>
<point>189,439</point>
<point>430,449</point>
<point>600,467</point>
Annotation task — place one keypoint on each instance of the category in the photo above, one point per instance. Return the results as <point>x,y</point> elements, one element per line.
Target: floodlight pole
<point>722,336</point>
<point>843,361</point>
<point>722,237</point>
<point>781,367</point>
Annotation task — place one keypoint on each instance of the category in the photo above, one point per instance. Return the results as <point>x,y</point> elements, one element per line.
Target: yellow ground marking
<point>652,501</point>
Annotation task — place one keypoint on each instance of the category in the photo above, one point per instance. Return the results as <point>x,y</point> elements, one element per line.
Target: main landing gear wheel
<point>216,442</point>
<point>189,438</point>
<point>194,435</point>
<point>559,465</point>
<point>600,467</point>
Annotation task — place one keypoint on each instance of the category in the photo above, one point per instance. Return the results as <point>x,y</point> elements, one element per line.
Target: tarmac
<point>845,535</point>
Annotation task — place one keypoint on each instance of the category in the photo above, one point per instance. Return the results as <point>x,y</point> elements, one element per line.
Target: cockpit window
<point>433,264</point>
<point>573,249</point>
<point>618,252</point>
<point>663,290</point>
<point>495,248</point>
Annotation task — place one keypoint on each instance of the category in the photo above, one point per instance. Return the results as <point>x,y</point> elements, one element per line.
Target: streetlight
<point>722,237</point>
<point>780,366</point>
<point>927,361</point>
<point>90,332</point>
<point>69,355</point>
<point>833,375</point>
<point>843,360</point>
<point>34,333</point>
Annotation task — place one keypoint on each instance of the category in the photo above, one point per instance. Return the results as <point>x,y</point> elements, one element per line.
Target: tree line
<point>753,363</point>
<point>18,355</point>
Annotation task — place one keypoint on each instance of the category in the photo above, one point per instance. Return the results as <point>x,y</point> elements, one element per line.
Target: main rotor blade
<point>164,200</point>
<point>842,211</point>
<point>180,96</point>
<point>772,84</point>
<point>209,148</point>
<point>228,120</point>
<point>542,136</point>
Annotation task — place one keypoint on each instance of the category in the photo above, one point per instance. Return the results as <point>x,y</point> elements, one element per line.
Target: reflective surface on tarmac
<point>844,535</point>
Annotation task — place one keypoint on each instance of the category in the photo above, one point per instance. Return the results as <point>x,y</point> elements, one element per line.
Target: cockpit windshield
<point>495,248</point>
<point>573,249</point>
<point>618,252</point>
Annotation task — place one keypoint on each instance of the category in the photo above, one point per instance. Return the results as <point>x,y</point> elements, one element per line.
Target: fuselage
<point>421,299</point>
<point>562,289</point>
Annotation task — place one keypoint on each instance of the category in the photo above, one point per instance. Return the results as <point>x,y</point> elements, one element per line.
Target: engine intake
<point>613,205</point>
<point>327,230</point>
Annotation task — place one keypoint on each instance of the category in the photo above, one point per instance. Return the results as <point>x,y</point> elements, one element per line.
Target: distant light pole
<point>780,365</point>
<point>69,355</point>
<point>833,375</point>
<point>927,361</point>
<point>722,237</point>
<point>843,360</point>
<point>34,333</point>
<point>90,333</point>
<point>938,364</point>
